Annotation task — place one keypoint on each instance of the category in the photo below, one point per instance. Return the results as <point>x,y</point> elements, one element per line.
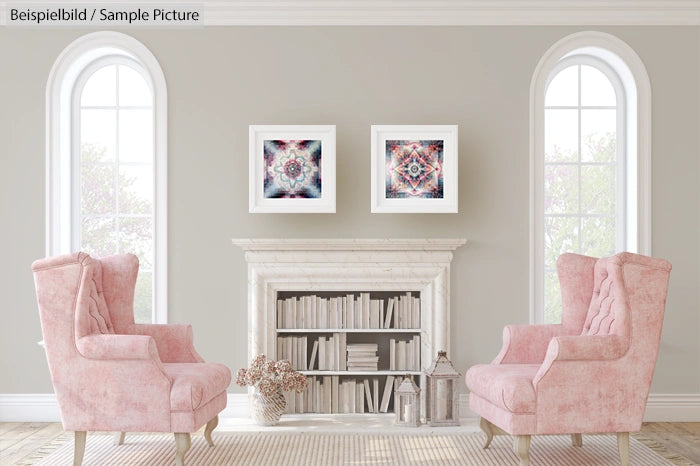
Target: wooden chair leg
<point>119,438</point>
<point>623,447</point>
<point>182,442</point>
<point>521,445</point>
<point>79,447</point>
<point>576,440</point>
<point>211,425</point>
<point>487,428</point>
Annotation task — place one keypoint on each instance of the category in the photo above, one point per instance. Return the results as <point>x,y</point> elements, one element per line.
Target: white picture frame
<point>394,189</point>
<point>291,169</point>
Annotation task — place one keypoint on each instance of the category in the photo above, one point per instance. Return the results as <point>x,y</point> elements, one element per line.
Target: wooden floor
<point>20,440</point>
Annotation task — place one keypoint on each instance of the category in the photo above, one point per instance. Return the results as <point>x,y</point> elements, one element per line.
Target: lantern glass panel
<point>445,392</point>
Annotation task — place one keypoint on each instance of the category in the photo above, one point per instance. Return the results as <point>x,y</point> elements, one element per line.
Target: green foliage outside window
<point>114,218</point>
<point>580,210</point>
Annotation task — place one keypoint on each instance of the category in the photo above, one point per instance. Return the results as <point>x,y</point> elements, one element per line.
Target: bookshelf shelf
<point>348,330</point>
<point>366,373</point>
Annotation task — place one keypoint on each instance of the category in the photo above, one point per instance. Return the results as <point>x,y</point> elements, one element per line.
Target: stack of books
<point>362,357</point>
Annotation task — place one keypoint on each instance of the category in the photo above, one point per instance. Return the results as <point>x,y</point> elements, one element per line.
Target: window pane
<point>596,88</point>
<point>136,136</point>
<point>101,88</point>
<point>598,236</point>
<point>552,298</point>
<point>143,297</point>
<point>563,88</point>
<point>598,189</point>
<point>136,237</point>
<point>560,135</point>
<point>96,184</point>
<point>133,89</point>
<point>98,128</point>
<point>560,236</point>
<point>561,189</point>
<point>98,236</point>
<point>135,189</point>
<point>598,135</point>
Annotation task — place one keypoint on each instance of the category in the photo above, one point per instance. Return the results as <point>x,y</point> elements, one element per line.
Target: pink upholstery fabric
<point>195,384</point>
<point>596,370</point>
<point>109,373</point>
<point>508,386</point>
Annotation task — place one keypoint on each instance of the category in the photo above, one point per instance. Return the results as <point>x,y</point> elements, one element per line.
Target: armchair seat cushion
<point>508,386</point>
<point>195,384</point>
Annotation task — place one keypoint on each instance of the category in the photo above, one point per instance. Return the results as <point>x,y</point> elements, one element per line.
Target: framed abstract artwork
<point>292,168</point>
<point>414,168</point>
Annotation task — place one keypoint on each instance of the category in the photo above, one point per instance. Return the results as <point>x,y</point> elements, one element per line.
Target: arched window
<point>106,159</point>
<point>590,184</point>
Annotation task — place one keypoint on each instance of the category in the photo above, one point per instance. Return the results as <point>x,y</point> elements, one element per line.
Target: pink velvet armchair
<point>589,374</point>
<point>110,374</point>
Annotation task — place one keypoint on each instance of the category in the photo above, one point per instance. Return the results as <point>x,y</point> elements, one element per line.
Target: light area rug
<point>304,449</point>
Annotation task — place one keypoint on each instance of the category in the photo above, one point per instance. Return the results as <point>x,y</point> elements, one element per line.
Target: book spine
<point>334,394</point>
<point>381,313</point>
<point>280,313</point>
<point>360,398</point>
<point>416,353</point>
<point>375,393</point>
<point>368,396</point>
<point>392,354</point>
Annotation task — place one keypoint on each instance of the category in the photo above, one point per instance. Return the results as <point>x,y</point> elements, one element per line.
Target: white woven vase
<point>266,410</point>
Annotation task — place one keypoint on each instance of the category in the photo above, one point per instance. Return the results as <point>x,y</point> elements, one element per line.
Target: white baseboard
<point>29,407</point>
<point>673,407</point>
<point>42,407</point>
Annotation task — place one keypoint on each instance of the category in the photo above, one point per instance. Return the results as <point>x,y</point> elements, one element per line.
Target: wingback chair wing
<point>592,372</point>
<point>111,374</point>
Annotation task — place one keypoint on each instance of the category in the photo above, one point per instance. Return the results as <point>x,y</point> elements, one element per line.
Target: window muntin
<point>584,167</point>
<point>113,202</point>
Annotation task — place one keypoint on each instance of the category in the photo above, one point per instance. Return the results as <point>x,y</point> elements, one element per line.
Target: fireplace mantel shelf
<point>346,244</point>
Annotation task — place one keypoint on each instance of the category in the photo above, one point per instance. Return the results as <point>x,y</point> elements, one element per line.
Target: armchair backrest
<point>608,312</point>
<point>71,298</point>
<point>628,301</point>
<point>73,303</point>
<point>627,287</point>
<point>624,314</point>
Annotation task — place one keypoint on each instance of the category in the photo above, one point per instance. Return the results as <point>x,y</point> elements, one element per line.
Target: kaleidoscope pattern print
<point>292,169</point>
<point>414,169</point>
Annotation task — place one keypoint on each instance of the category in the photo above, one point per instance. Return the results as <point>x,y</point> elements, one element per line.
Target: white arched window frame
<point>66,79</point>
<point>628,76</point>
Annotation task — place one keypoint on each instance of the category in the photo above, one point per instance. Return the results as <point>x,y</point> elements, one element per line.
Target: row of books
<point>404,354</point>
<point>333,353</point>
<point>348,311</point>
<point>331,395</point>
<point>327,353</point>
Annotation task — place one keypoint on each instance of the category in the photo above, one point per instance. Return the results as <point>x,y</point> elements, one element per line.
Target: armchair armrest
<point>117,347</point>
<point>567,355</point>
<point>526,344</point>
<point>175,342</point>
<point>586,348</point>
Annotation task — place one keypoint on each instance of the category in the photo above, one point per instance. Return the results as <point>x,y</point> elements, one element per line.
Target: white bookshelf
<point>334,384</point>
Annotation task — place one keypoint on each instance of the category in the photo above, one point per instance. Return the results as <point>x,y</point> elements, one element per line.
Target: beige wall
<point>220,80</point>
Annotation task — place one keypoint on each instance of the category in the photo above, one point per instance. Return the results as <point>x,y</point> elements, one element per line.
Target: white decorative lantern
<point>442,395</point>
<point>407,403</point>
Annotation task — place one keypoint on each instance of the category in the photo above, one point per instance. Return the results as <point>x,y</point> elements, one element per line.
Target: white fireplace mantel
<point>349,265</point>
